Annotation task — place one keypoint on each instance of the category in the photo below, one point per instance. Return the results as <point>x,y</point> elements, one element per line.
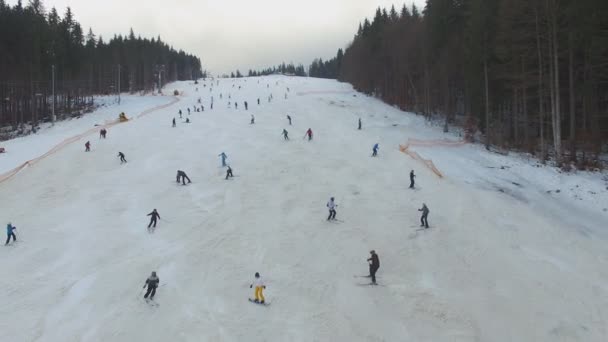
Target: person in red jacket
<point>309,134</point>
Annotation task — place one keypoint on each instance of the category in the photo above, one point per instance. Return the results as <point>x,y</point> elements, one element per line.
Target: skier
<point>188,110</point>
<point>180,113</point>
<point>236,105</point>
<point>183,176</point>
<point>412,176</point>
<point>122,157</point>
<point>359,123</point>
<point>174,122</point>
<point>374,265</point>
<point>375,150</point>
<point>224,157</point>
<point>10,233</point>
<point>258,101</point>
<point>229,173</point>
<point>252,120</point>
<point>87,146</point>
<point>425,213</point>
<point>259,288</point>
<point>187,120</point>
<point>153,217</point>
<point>332,209</point>
<point>152,284</point>
<point>309,134</point>
<point>102,133</point>
<point>289,118</point>
<point>285,135</point>
<point>246,105</point>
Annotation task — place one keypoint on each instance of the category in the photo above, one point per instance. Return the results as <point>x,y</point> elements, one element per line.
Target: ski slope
<point>504,259</point>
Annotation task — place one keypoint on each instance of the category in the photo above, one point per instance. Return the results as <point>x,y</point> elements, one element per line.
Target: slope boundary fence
<point>60,146</point>
<point>428,143</point>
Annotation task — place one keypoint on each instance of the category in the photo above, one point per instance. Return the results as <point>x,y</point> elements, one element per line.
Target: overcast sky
<point>231,34</point>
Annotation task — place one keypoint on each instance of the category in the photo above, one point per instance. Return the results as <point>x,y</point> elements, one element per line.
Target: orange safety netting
<point>427,143</point>
<point>9,174</point>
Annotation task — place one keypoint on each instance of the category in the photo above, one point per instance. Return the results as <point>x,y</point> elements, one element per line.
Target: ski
<point>151,302</point>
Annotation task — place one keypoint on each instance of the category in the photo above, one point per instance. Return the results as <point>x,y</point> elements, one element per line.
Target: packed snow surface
<point>515,252</point>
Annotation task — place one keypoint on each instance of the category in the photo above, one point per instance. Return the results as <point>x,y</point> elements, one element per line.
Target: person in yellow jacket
<point>259,288</point>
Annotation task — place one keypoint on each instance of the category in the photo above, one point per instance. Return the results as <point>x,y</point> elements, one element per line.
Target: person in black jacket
<point>412,176</point>
<point>229,172</point>
<point>424,222</point>
<point>152,284</point>
<point>183,176</point>
<point>374,265</point>
<point>153,217</point>
<point>122,157</point>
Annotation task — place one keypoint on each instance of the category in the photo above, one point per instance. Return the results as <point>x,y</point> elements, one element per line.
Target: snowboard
<point>151,302</point>
<point>258,303</point>
<point>369,284</point>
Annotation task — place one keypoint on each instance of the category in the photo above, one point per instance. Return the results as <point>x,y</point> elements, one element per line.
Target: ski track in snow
<point>504,259</point>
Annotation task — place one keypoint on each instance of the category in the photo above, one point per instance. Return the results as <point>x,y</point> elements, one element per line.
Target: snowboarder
<point>359,123</point>
<point>10,233</point>
<point>289,118</point>
<point>259,288</point>
<point>122,157</point>
<point>87,146</point>
<point>246,105</point>
<point>252,119</point>
<point>180,113</point>
<point>102,133</point>
<point>375,150</point>
<point>285,134</point>
<point>412,176</point>
<point>374,265</point>
<point>153,217</point>
<point>332,209</point>
<point>187,120</point>
<point>258,101</point>
<point>174,122</point>
<point>236,105</point>
<point>224,157</point>
<point>229,173</point>
<point>183,176</point>
<point>152,284</point>
<point>309,134</point>
<point>425,213</point>
<point>188,110</point>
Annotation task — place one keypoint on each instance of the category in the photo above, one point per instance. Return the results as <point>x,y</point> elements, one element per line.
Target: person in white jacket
<point>259,288</point>
<point>332,209</point>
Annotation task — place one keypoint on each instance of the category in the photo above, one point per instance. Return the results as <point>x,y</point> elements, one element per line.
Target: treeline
<point>36,44</point>
<point>285,69</point>
<point>529,75</point>
<point>327,69</point>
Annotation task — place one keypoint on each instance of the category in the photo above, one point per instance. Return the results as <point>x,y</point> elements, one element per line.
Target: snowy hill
<point>507,257</point>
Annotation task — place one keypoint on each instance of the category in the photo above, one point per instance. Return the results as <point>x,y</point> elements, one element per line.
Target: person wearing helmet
<point>259,288</point>
<point>152,284</point>
<point>332,209</point>
<point>10,233</point>
<point>425,213</point>
<point>374,265</point>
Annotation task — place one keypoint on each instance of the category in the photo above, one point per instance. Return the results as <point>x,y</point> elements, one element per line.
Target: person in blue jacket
<point>224,157</point>
<point>375,150</point>
<point>10,233</point>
